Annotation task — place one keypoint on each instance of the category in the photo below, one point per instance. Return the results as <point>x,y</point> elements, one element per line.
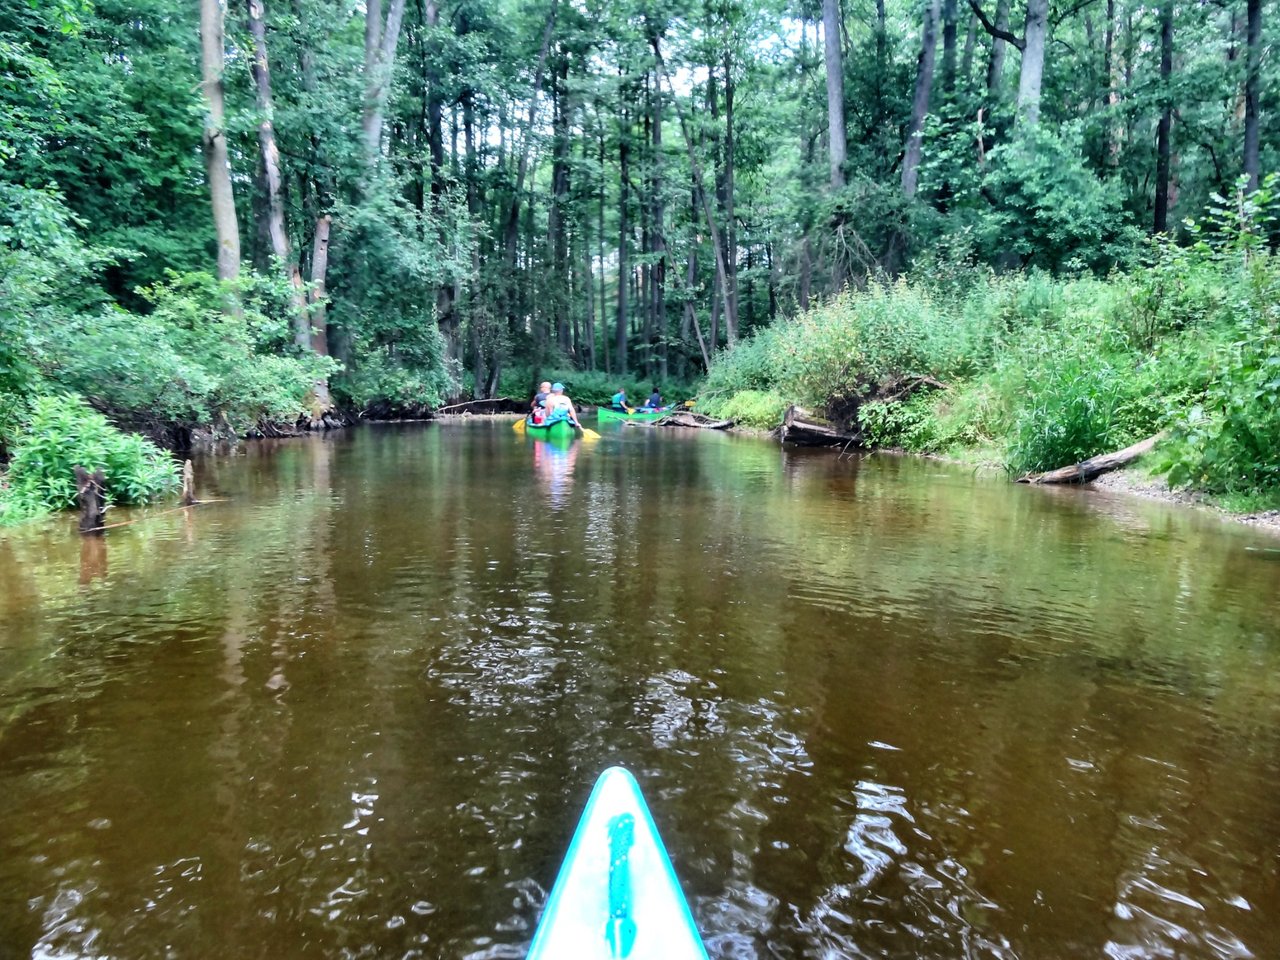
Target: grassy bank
<point>1036,372</point>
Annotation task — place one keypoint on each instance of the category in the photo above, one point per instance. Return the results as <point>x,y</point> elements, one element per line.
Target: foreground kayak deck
<point>604,413</point>
<point>616,894</point>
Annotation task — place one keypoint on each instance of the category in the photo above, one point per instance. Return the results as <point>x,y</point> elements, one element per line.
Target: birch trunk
<point>920,103</point>
<point>279,237</point>
<point>835,90</point>
<point>214,138</point>
<point>380,40</point>
<point>1030,78</point>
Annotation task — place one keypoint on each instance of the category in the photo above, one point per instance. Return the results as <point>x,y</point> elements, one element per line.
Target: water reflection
<point>93,559</point>
<point>553,461</point>
<point>880,708</point>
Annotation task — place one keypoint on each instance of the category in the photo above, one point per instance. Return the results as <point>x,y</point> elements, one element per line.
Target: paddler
<point>560,407</point>
<point>618,402</point>
<point>537,409</point>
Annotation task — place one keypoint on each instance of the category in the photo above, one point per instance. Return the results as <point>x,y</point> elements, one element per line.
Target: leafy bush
<point>751,408</point>
<point>190,359</point>
<point>63,432</point>
<point>1050,210</point>
<point>1225,435</point>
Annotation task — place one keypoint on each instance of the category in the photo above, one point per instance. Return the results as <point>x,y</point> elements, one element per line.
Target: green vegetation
<point>232,215</point>
<point>61,432</point>
<point>1046,372</point>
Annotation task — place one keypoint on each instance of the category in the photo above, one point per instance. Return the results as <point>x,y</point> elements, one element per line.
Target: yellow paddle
<point>518,426</point>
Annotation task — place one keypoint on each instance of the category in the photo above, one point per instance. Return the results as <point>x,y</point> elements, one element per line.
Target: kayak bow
<point>616,894</point>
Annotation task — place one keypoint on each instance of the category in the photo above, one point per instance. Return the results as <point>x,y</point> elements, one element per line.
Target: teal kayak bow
<point>616,895</point>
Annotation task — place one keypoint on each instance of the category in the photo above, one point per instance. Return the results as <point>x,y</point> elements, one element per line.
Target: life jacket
<point>557,407</point>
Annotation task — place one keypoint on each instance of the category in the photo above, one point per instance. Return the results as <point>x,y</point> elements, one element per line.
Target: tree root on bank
<point>801,427</point>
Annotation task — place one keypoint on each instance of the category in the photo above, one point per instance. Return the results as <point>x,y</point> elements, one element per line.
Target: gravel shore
<point>1138,483</point>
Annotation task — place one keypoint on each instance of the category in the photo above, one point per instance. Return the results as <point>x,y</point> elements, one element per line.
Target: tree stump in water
<point>801,427</point>
<point>92,497</point>
<point>188,484</point>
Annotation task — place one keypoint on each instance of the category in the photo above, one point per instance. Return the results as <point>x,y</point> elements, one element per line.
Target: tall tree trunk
<point>512,229</point>
<point>600,242</point>
<point>730,215</point>
<point>316,295</point>
<point>970,44</point>
<point>624,266</point>
<point>217,161</point>
<point>1164,140</point>
<point>645,289</point>
<point>920,102</point>
<point>589,284</point>
<point>659,235</point>
<point>1034,38</point>
<point>835,90</point>
<point>280,246</point>
<point>1112,144</point>
<point>476,314</point>
<point>995,66</point>
<point>380,40</point>
<point>446,300</point>
<point>731,323</point>
<point>949,21</point>
<point>1252,84</point>
<point>556,228</point>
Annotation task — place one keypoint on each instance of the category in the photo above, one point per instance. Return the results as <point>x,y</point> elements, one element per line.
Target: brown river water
<point>881,708</point>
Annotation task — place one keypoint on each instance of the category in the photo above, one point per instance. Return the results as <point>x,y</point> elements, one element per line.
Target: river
<point>880,707</point>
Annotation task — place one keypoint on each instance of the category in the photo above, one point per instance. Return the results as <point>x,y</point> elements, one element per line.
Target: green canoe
<point>640,416</point>
<point>557,429</point>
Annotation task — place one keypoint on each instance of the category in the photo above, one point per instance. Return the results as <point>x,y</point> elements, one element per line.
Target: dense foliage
<point>226,212</point>
<point>62,432</point>
<point>1042,372</point>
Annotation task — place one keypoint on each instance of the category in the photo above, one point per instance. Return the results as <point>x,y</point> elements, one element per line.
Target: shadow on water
<point>880,708</point>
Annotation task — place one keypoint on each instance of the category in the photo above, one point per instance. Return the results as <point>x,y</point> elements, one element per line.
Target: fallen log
<point>687,418</point>
<point>803,428</point>
<point>491,405</point>
<point>1086,470</point>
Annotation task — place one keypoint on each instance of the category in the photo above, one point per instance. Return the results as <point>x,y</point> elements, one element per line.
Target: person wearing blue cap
<point>560,407</point>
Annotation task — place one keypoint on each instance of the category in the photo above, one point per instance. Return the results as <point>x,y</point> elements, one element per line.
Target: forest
<point>1035,230</point>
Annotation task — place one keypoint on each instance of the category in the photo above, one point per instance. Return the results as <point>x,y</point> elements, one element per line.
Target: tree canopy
<point>410,200</point>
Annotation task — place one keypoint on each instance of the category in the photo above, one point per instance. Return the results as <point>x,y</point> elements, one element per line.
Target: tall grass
<point>1050,370</point>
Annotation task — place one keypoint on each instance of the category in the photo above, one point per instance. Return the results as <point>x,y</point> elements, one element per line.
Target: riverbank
<point>1043,371</point>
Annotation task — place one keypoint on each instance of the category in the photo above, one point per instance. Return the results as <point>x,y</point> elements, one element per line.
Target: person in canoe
<point>537,409</point>
<point>618,402</point>
<point>655,401</point>
<point>560,407</point>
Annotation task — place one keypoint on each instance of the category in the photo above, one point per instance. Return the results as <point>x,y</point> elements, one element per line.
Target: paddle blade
<point>518,426</point>
<point>589,434</point>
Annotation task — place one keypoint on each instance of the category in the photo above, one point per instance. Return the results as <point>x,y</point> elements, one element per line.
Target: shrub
<point>190,359</point>
<point>752,408</point>
<point>1230,443</point>
<point>62,432</point>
